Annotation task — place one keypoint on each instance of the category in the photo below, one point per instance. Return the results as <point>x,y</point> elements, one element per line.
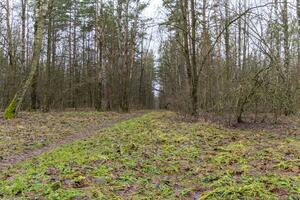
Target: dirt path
<point>90,131</point>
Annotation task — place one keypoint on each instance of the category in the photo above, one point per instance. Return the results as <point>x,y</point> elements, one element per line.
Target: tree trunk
<point>227,44</point>
<point>99,38</point>
<point>34,97</point>
<point>194,61</point>
<point>23,37</point>
<point>48,64</point>
<point>190,57</point>
<point>11,53</point>
<point>286,37</point>
<point>298,19</point>
<point>286,47</point>
<point>141,86</point>
<point>15,104</point>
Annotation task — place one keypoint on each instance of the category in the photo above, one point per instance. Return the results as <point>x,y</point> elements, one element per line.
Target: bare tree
<point>16,102</point>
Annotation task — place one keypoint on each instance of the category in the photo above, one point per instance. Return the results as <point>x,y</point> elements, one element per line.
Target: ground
<point>33,133</point>
<point>160,156</point>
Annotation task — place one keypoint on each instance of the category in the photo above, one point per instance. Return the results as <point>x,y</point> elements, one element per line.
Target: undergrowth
<point>156,157</point>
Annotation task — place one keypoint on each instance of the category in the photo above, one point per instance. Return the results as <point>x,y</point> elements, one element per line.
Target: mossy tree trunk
<point>15,104</point>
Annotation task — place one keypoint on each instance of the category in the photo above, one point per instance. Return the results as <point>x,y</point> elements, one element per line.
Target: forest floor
<point>155,156</point>
<point>34,133</point>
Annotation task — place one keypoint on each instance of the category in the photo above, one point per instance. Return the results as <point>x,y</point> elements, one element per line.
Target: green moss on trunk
<point>10,110</point>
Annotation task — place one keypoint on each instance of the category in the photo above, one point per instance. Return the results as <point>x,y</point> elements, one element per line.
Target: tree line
<point>231,57</point>
<point>58,54</point>
<point>227,57</point>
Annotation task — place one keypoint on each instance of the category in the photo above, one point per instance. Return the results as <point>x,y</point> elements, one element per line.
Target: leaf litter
<point>157,157</point>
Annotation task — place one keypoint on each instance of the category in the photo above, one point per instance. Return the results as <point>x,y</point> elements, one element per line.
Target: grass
<point>35,130</point>
<point>158,157</point>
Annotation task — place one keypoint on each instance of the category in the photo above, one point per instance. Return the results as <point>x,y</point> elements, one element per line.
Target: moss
<point>155,157</point>
<point>10,110</point>
<point>35,130</point>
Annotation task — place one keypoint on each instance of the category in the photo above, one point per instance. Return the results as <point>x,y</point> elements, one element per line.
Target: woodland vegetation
<point>94,72</point>
<point>225,57</point>
<point>231,57</point>
<point>74,54</point>
<point>154,156</point>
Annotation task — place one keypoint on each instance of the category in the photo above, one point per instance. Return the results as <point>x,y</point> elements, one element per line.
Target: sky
<point>154,11</point>
<point>153,8</point>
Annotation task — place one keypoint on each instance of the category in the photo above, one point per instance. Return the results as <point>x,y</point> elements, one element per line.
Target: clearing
<point>154,156</point>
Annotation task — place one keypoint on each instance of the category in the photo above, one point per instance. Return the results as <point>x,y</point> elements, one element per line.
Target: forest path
<point>9,161</point>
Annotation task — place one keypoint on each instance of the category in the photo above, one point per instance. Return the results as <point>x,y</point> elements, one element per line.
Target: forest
<point>149,99</point>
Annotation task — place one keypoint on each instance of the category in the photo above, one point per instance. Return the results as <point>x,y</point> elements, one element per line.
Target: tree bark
<point>298,19</point>
<point>194,61</point>
<point>190,55</point>
<point>49,63</point>
<point>227,44</point>
<point>23,37</point>
<point>99,38</point>
<point>11,52</point>
<point>141,86</point>
<point>15,104</point>
<point>286,37</point>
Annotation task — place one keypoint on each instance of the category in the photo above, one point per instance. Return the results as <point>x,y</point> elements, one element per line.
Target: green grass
<point>158,157</point>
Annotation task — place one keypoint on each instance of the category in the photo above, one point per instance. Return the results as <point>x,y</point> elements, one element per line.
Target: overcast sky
<point>154,11</point>
<point>153,7</point>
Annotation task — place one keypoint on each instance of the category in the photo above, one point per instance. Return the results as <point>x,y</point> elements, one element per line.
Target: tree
<point>15,104</point>
<point>11,50</point>
<point>90,55</point>
<point>99,20</point>
<point>50,45</point>
<point>242,54</point>
<point>23,37</point>
<point>298,19</point>
<point>190,50</point>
